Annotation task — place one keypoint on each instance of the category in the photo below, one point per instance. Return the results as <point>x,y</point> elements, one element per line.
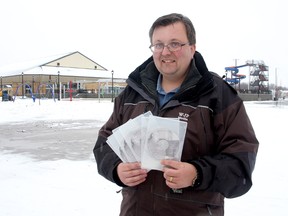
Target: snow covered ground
<point>34,180</point>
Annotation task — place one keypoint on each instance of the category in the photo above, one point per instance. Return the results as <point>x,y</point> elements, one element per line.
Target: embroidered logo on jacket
<point>183,116</point>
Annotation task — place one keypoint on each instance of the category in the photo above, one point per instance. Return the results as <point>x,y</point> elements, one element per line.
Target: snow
<point>31,186</point>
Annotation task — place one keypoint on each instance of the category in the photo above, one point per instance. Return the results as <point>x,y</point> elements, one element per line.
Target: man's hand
<point>131,174</point>
<point>178,174</point>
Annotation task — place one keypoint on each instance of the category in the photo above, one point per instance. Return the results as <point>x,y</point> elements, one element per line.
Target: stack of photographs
<point>149,139</point>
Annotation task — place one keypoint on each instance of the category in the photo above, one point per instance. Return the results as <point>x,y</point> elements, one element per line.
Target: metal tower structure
<point>259,76</point>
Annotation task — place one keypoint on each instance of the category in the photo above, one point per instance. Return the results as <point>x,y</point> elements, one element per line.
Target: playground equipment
<point>26,86</point>
<point>33,96</point>
<point>5,93</point>
<point>258,74</point>
<point>235,77</point>
<point>47,85</point>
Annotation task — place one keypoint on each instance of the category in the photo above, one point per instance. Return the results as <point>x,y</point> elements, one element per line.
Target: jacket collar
<point>146,75</point>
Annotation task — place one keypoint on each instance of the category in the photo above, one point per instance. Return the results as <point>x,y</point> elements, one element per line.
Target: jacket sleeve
<point>107,161</point>
<point>229,171</point>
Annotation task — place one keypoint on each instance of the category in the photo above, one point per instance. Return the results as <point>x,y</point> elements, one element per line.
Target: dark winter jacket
<point>220,142</point>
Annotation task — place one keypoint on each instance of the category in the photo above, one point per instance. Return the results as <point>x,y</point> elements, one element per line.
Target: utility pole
<point>236,60</point>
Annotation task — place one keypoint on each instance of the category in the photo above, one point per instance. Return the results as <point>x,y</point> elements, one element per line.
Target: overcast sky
<point>115,33</point>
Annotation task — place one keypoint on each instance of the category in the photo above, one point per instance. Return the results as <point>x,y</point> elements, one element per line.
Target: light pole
<point>33,83</point>
<point>23,87</point>
<point>1,84</point>
<point>112,72</point>
<point>59,86</point>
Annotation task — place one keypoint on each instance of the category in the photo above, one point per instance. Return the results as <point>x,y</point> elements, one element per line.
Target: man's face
<point>172,65</point>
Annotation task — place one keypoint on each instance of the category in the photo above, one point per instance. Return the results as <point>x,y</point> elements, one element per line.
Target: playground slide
<point>235,77</point>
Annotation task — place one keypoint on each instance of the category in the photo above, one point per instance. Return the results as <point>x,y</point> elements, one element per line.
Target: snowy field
<point>47,167</point>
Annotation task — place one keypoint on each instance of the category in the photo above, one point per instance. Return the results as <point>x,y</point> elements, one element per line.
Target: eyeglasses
<point>172,47</point>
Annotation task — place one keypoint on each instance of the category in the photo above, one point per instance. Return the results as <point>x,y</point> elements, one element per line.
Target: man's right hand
<point>131,174</point>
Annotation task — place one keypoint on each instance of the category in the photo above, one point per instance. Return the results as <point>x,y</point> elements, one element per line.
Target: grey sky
<point>115,33</point>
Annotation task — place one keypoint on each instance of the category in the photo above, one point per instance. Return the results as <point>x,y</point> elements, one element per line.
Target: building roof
<point>73,66</point>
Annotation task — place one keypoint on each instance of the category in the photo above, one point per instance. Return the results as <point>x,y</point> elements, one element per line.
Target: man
<point>220,146</point>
